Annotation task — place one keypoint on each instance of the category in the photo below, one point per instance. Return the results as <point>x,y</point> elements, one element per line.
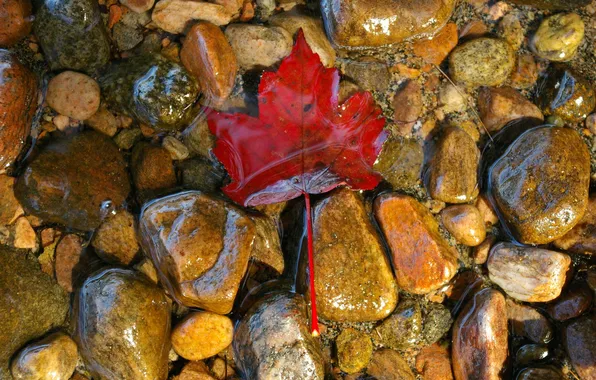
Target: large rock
<point>369,23</point>
<point>578,339</point>
<point>422,258</point>
<point>480,339</point>
<point>16,21</point>
<point>273,341</point>
<point>72,34</point>
<point>152,89</point>
<point>528,274</point>
<point>31,303</point>
<point>558,37</point>
<point>452,175</point>
<point>18,101</point>
<point>201,247</point>
<point>353,278</point>
<point>582,237</point>
<point>123,326</point>
<point>74,181</point>
<point>540,185</point>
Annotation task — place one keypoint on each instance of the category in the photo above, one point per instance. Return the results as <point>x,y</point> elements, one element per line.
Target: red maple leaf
<point>303,141</point>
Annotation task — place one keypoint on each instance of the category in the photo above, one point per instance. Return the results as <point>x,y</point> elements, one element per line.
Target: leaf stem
<point>314,321</point>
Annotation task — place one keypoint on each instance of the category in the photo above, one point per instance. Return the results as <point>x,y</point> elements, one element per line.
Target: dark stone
<point>578,339</point>
<point>74,181</point>
<point>554,4</point>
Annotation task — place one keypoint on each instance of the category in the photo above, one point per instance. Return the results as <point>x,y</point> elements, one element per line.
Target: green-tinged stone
<point>152,89</point>
<point>72,34</point>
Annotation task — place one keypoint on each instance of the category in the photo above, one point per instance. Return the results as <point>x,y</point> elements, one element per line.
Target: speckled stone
<point>273,341</point>
<point>72,34</point>
<point>482,62</point>
<point>403,329</point>
<point>152,89</point>
<point>540,185</point>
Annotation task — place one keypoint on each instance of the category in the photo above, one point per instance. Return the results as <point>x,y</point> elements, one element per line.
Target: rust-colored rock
<point>344,239</point>
<point>367,23</point>
<point>435,50</point>
<point>452,175</point>
<point>16,21</point>
<point>422,258</point>
<point>152,170</point>
<point>9,206</point>
<point>540,185</point>
<point>18,101</point>
<point>407,105</point>
<point>465,223</point>
<point>480,337</point>
<point>201,247</point>
<point>500,105</point>
<point>115,241</point>
<point>434,363</point>
<point>582,237</point>
<point>208,56</point>
<point>68,255</point>
<point>74,181</point>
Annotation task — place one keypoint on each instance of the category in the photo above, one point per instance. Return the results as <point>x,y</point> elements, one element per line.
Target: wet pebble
<point>16,21</point>
<point>465,223</point>
<point>354,350</point>
<point>152,170</point>
<point>177,149</point>
<point>72,35</point>
<point>574,301</point>
<point>52,358</point>
<point>353,281</point>
<point>9,206</point>
<point>138,6</point>
<point>500,105</point>
<point>68,258</point>
<point>208,56</point>
<point>90,174</point>
<point>511,30</point>
<point>115,241</point>
<point>127,138</point>
<point>273,340</point>
<point>528,274</point>
<point>174,16</point>
<point>400,162</point>
<point>369,74</point>
<point>530,353</point>
<point>203,256</point>
<point>31,305</point>
<point>452,98</point>
<point>436,323</point>
<point>436,49</point>
<point>258,46</point>
<point>357,23</point>
<point>480,337</point>
<point>422,258</point>
<point>103,121</point>
<point>540,374</point>
<point>18,102</point>
<point>528,322</point>
<point>434,363</point>
<point>540,185</point>
<point>578,340</point>
<point>558,37</point>
<point>199,173</point>
<point>202,335</point>
<point>152,89</point>
<point>387,364</point>
<point>525,74</point>
<point>408,105</point>
<point>123,326</point>
<point>403,329</point>
<point>74,95</point>
<point>482,62</point>
<point>452,174</point>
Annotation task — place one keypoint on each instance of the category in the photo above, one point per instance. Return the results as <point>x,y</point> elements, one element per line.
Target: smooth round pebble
<point>202,335</point>
<point>74,95</point>
<point>52,358</point>
<point>354,350</point>
<point>466,224</point>
<point>482,62</point>
<point>558,37</point>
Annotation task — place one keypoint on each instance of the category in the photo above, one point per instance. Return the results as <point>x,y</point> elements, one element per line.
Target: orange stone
<point>435,50</point>
<point>15,21</point>
<point>422,258</point>
<point>434,363</point>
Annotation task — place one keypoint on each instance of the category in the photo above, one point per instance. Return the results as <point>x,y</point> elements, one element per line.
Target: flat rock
<point>152,171</point>
<point>452,176</point>
<point>369,23</point>
<point>115,241</point>
<point>18,102</point>
<point>353,281</point>
<point>540,185</point>
<point>314,32</point>
<point>31,305</point>
<point>273,341</point>
<point>578,339</point>
<point>528,274</point>
<point>201,247</point>
<point>500,105</point>
<point>74,181</point>
<point>72,35</point>
<point>528,322</point>
<point>123,326</point>
<point>400,162</point>
<point>403,329</point>
<point>581,238</point>
<point>422,258</point>
<point>56,354</point>
<point>480,337</point>
<point>174,16</point>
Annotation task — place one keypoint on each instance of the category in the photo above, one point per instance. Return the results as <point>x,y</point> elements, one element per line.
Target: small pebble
<point>25,236</point>
<point>354,350</point>
<point>52,358</point>
<point>177,149</point>
<point>103,121</point>
<point>481,251</point>
<point>115,241</point>
<point>558,37</point>
<point>465,223</point>
<point>202,335</point>
<point>574,301</point>
<point>73,94</point>
<point>61,122</point>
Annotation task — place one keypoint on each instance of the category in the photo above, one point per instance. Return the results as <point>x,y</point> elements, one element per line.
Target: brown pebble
<point>574,301</point>
<point>202,335</point>
<point>67,257</point>
<point>16,21</point>
<point>74,95</point>
<point>465,223</point>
